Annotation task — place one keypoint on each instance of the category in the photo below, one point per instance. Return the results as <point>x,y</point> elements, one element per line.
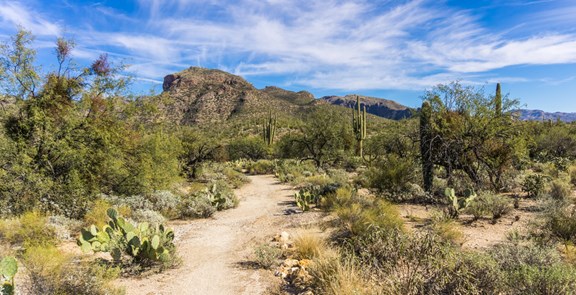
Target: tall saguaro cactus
<point>359,125</point>
<point>498,100</point>
<point>269,129</point>
<point>426,145</point>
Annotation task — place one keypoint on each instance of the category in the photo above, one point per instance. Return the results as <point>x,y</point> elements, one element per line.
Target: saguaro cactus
<point>426,145</point>
<point>269,129</point>
<point>359,125</point>
<point>498,100</point>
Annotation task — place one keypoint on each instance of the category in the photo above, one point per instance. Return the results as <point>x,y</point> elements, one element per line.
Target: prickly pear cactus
<point>120,237</point>
<point>8,269</point>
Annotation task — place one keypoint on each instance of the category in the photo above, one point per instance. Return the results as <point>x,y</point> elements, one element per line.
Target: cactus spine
<point>426,145</point>
<point>359,125</point>
<point>269,129</point>
<point>498,100</point>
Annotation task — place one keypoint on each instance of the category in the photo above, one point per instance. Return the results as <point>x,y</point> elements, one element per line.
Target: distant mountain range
<point>199,95</point>
<point>538,115</point>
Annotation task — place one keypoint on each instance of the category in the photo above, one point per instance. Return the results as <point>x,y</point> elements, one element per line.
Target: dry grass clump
<point>309,246</point>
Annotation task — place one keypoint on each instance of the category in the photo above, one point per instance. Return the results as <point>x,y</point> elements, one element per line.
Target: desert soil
<point>216,252</point>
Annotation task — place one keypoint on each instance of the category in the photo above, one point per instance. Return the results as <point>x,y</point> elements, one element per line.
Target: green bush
<point>360,219</point>
<point>196,206</point>
<point>30,229</point>
<point>392,175</point>
<point>267,256</point>
<point>489,203</point>
<point>560,221</point>
<point>261,167</point>
<point>535,184</point>
<point>52,272</point>
<point>529,269</point>
<point>252,148</point>
<point>560,189</point>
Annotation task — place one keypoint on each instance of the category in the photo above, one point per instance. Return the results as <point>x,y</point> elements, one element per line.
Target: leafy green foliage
<point>28,230</point>
<point>463,131</point>
<point>534,184</point>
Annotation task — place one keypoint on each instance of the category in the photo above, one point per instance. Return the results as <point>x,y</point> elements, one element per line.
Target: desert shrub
<point>65,228</point>
<point>308,246</point>
<point>534,184</point>
<point>227,172</point>
<point>342,196</point>
<point>134,202</point>
<point>252,148</point>
<point>555,279</point>
<point>530,269</point>
<point>361,219</point>
<point>447,230</point>
<point>332,275</point>
<point>477,208</point>
<point>261,167</point>
<point>97,213</point>
<point>404,262</point>
<point>293,171</point>
<point>267,256</point>
<point>53,272</point>
<point>150,216</point>
<point>196,206</point>
<point>234,178</point>
<point>497,206</point>
<point>30,229</point>
<point>164,202</point>
<point>560,221</point>
<point>559,189</point>
<point>392,175</point>
<point>467,273</point>
<point>489,203</point>
<point>572,172</point>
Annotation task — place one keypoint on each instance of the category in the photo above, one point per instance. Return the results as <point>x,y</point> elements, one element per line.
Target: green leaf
<point>93,230</point>
<point>8,267</point>
<point>112,213</point>
<point>155,242</point>
<point>85,247</point>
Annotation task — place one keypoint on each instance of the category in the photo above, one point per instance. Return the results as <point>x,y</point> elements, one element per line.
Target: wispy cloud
<point>331,44</point>
<point>14,13</point>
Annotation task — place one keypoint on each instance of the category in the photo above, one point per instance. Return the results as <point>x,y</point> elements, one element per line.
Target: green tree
<point>324,137</point>
<point>466,133</point>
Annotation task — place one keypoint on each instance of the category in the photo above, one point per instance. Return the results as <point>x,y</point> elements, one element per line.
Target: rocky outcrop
<point>199,95</point>
<point>380,107</point>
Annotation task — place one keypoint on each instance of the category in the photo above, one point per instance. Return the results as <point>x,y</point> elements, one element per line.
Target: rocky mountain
<point>199,96</point>
<point>380,107</point>
<point>538,115</point>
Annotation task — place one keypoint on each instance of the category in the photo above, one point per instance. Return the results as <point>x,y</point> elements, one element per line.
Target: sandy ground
<point>479,234</point>
<point>215,251</point>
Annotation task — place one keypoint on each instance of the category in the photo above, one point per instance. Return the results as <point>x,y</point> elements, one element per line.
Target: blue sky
<point>391,49</point>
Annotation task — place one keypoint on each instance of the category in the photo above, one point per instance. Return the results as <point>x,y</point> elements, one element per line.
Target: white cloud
<point>15,14</point>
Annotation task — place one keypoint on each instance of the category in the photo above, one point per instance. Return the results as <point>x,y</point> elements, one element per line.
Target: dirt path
<point>213,250</point>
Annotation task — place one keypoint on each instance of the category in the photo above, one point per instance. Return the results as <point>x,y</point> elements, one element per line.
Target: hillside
<point>203,96</point>
<point>198,95</point>
<point>380,107</point>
